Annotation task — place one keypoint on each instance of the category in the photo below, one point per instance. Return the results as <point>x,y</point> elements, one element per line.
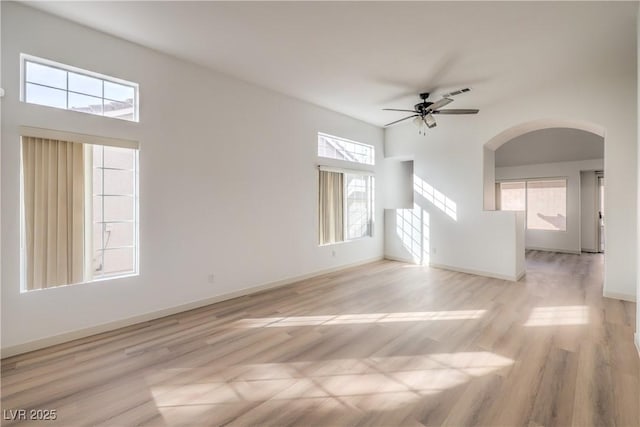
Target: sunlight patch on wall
<point>412,227</point>
<point>435,197</point>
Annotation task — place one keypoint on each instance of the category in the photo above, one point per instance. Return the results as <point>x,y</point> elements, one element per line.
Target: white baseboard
<point>561,251</point>
<point>121,323</point>
<point>478,272</point>
<point>400,259</point>
<point>637,341</point>
<point>617,295</point>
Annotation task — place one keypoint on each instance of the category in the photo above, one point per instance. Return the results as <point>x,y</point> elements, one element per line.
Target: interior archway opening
<point>553,173</point>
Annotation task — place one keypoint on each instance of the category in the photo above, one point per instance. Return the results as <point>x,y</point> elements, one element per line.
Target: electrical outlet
<point>333,253</point>
<point>210,278</point>
<point>434,251</point>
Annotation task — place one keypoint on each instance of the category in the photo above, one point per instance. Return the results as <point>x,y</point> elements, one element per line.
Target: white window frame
<point>370,203</point>
<point>526,200</point>
<point>24,58</point>
<point>348,141</point>
<point>135,222</point>
<point>88,140</point>
<point>345,231</point>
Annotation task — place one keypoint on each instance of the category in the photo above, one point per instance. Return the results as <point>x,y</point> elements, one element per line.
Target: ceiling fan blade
<point>394,109</point>
<point>398,121</point>
<point>457,111</point>
<point>439,104</point>
<point>456,92</point>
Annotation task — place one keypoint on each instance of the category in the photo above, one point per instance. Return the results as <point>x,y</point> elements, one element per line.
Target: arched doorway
<point>554,183</point>
<point>509,134</point>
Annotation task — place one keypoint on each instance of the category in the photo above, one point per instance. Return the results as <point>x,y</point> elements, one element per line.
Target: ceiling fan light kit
<point>423,111</point>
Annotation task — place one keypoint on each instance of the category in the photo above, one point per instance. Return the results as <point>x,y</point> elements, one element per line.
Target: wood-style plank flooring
<point>383,344</point>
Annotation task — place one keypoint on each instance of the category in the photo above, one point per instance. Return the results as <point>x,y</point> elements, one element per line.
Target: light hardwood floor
<point>382,344</point>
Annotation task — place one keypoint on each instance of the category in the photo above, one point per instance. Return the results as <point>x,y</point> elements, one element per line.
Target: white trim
<point>121,323</point>
<point>345,170</point>
<point>637,342</point>
<point>560,251</point>
<point>618,295</point>
<point>400,259</point>
<point>535,178</point>
<point>478,272</point>
<point>77,70</point>
<point>78,137</point>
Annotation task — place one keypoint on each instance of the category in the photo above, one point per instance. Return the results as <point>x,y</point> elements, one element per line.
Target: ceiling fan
<point>423,111</point>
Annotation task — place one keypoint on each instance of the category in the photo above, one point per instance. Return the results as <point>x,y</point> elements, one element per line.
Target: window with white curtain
<point>79,211</point>
<point>346,202</point>
<point>346,206</point>
<point>547,204</point>
<point>543,200</point>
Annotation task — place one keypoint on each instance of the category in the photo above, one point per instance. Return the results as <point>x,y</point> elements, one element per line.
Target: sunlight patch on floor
<point>559,316</point>
<point>346,319</point>
<point>365,383</point>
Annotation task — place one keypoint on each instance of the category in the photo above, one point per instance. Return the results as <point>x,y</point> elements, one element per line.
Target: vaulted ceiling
<point>358,57</point>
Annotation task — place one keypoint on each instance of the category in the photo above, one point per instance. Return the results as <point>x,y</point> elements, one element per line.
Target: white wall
<point>450,156</point>
<point>488,185</point>
<point>520,243</point>
<point>468,242</point>
<point>228,183</point>
<point>398,184</point>
<point>562,241</point>
<point>589,211</point>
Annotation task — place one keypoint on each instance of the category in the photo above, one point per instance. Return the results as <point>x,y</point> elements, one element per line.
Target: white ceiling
<point>358,57</point>
<point>550,145</point>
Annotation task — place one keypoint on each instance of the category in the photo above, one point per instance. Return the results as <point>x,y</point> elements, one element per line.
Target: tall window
<point>544,201</point>
<point>358,198</point>
<point>58,85</point>
<point>346,206</point>
<point>79,212</point>
<point>345,195</point>
<point>114,211</point>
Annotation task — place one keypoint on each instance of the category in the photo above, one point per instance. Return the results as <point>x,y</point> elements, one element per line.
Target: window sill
<point>345,241</point>
<point>98,280</point>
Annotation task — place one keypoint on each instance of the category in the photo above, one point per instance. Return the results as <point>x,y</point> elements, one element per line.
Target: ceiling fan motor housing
<point>422,106</point>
